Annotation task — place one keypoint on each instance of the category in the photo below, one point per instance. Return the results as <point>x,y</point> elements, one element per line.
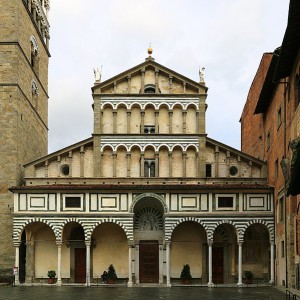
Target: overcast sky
<point>227,37</point>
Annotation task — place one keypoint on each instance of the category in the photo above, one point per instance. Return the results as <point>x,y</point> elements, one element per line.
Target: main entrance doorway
<point>80,265</point>
<point>149,262</point>
<point>217,264</point>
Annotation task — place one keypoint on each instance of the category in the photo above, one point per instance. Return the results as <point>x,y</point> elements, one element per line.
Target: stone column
<point>156,81</point>
<point>168,264</point>
<point>227,163</point>
<point>240,267</point>
<point>156,122</point>
<point>58,243</point>
<point>82,161</point>
<point>142,121</point>
<point>170,122</point>
<point>128,163</point>
<point>114,121</point>
<point>184,164</point>
<point>33,11</point>
<point>161,263</point>
<point>170,164</point>
<point>217,161</point>
<point>233,258</point>
<point>143,82</point>
<point>156,165</point>
<point>142,164</point>
<point>250,168</point>
<point>70,157</point>
<point>101,166</point>
<point>170,84</point>
<point>58,165</point>
<point>197,120</point>
<point>17,262</point>
<point>114,164</point>
<point>29,5</point>
<point>137,264</point>
<point>239,166</point>
<point>88,263</point>
<point>128,121</point>
<point>129,83</point>
<point>272,263</point>
<point>197,164</point>
<point>184,121</point>
<point>130,283</point>
<point>46,168</point>
<point>210,282</point>
<point>101,121</point>
<point>30,262</point>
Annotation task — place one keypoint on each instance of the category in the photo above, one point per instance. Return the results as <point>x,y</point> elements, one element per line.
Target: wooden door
<point>149,262</point>
<point>217,264</point>
<point>80,265</point>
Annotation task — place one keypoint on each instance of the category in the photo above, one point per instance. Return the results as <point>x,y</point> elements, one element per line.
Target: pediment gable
<point>149,75</point>
<point>58,157</point>
<point>232,152</point>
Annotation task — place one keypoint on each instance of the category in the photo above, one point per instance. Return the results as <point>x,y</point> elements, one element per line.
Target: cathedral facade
<point>148,193</point>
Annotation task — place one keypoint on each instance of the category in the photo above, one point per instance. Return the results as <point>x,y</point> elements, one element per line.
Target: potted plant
<point>248,276</point>
<point>51,276</point>
<point>111,274</point>
<point>186,274</point>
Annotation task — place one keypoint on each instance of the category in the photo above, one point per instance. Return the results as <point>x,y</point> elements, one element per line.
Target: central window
<point>149,168</point>
<point>72,202</point>
<point>225,202</point>
<point>149,129</point>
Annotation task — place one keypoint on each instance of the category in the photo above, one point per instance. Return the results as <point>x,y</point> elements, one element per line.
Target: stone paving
<point>139,293</point>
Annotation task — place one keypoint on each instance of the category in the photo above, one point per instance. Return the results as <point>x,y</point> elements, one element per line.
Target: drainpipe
<point>284,195</point>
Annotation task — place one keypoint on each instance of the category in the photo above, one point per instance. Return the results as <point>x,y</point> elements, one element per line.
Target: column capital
<point>210,242</point>
<point>58,243</point>
<point>240,243</point>
<point>88,243</point>
<point>17,243</point>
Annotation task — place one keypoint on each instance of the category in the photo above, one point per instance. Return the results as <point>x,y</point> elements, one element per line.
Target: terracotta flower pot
<point>51,280</point>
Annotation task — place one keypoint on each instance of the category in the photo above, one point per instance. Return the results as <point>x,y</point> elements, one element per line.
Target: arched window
<point>149,168</point>
<point>149,88</point>
<point>34,54</point>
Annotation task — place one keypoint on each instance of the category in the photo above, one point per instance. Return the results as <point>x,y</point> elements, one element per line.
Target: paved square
<point>138,293</point>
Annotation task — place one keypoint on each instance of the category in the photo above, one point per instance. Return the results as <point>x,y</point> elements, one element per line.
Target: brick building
<point>270,125</point>
<point>24,54</point>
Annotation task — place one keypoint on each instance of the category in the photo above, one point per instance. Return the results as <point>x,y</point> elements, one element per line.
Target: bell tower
<point>24,56</point>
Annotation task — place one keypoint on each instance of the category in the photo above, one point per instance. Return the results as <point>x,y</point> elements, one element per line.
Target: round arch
<point>149,195</point>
